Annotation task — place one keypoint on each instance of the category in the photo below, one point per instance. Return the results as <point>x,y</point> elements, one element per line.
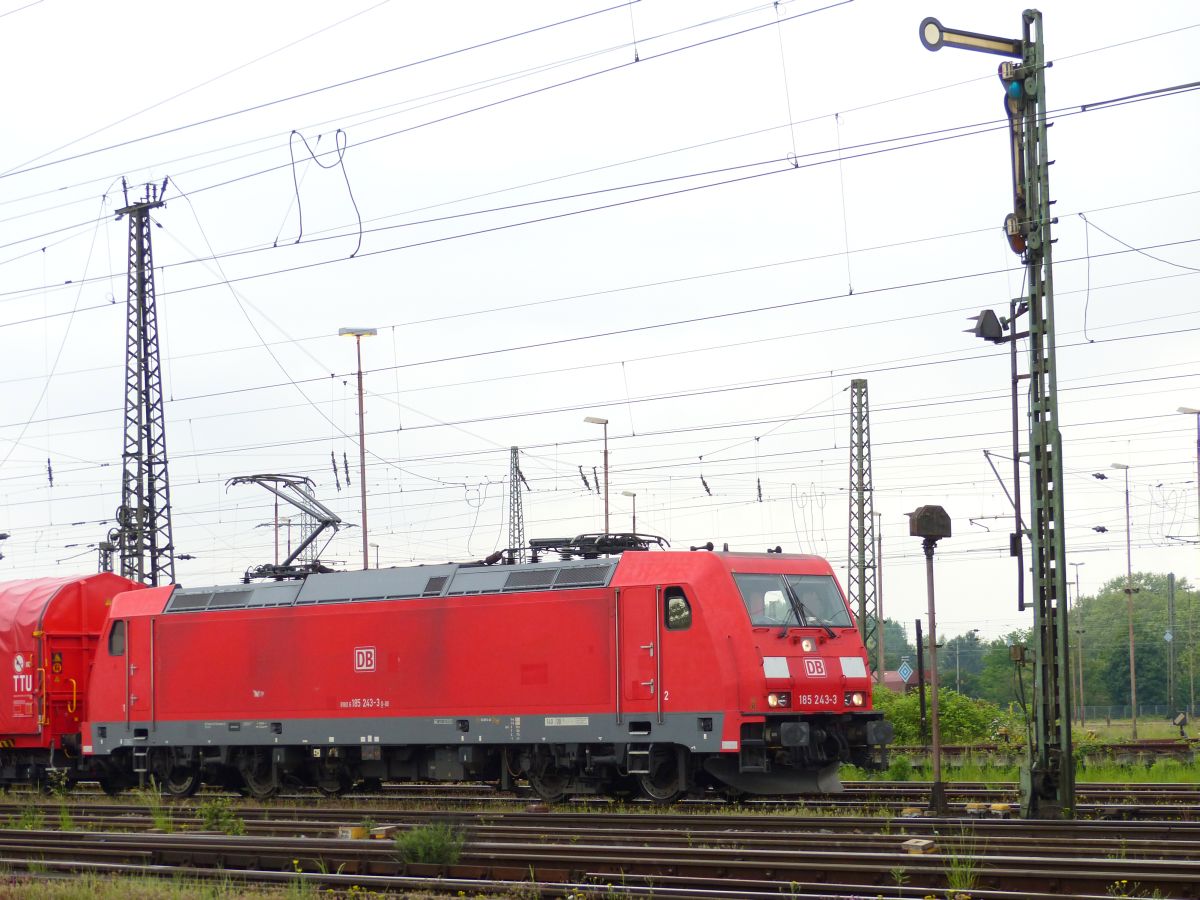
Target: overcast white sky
<point>551,230</point>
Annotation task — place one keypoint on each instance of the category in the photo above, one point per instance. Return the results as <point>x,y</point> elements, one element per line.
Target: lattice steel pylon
<point>142,537</point>
<point>516,509</point>
<point>1048,782</point>
<point>861,572</point>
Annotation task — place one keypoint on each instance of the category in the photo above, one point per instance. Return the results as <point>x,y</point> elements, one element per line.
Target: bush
<point>964,720</point>
<point>900,768</point>
<point>440,844</point>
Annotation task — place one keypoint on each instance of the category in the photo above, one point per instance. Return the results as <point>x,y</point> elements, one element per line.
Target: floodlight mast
<point>1048,779</point>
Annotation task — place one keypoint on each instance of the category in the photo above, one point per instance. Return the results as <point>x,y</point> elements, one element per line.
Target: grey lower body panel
<point>698,731</point>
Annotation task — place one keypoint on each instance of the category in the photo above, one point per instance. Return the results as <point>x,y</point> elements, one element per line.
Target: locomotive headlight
<point>780,700</point>
<point>856,698</point>
<point>807,645</point>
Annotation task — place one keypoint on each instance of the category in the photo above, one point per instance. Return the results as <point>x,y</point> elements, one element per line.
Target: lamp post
<point>932,523</point>
<point>1190,411</point>
<point>376,546</point>
<point>1129,600</point>
<point>358,334</point>
<point>596,420</point>
<point>632,495</point>
<point>1079,640</point>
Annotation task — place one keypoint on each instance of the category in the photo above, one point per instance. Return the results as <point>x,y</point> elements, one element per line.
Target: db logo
<point>814,668</point>
<point>364,659</point>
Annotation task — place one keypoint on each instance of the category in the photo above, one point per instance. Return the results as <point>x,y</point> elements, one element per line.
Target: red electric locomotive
<point>667,671</point>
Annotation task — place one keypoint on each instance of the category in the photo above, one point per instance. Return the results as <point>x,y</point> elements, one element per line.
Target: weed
<point>152,796</point>
<point>217,814</point>
<point>1126,888</point>
<point>962,867</point>
<point>31,818</point>
<point>439,843</point>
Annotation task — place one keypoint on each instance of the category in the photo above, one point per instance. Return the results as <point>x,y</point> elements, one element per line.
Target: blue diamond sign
<point>905,671</point>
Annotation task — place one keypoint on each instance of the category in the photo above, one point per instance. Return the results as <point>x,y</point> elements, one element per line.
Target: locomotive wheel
<point>258,775</point>
<point>181,781</point>
<point>550,786</point>
<point>662,784</point>
<point>334,784</point>
<point>112,785</point>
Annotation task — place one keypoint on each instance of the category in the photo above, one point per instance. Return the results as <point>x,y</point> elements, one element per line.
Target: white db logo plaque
<point>364,659</point>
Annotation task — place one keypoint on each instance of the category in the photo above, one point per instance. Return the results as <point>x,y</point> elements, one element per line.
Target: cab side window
<point>116,639</point>
<point>677,612</point>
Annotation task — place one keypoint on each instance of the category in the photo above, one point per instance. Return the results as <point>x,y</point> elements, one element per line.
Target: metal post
<point>921,682</point>
<point>1129,604</point>
<point>362,454</point>
<point>879,596</point>
<point>1079,641</point>
<point>860,565</point>
<point>1048,780</point>
<point>1187,410</point>
<point>142,537</point>
<point>1171,644</point>
<point>937,797</point>
<point>359,334</point>
<point>931,524</point>
<point>606,526</point>
<point>632,495</point>
<point>596,420</point>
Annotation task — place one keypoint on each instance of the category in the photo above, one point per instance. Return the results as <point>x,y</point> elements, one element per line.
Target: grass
<point>88,886</point>
<point>439,843</point>
<point>162,817</point>
<point>1161,771</point>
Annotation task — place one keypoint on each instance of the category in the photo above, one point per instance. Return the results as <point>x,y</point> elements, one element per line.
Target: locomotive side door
<point>640,658</point>
<point>139,659</point>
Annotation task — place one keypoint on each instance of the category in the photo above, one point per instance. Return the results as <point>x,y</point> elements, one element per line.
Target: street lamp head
<point>595,420</point>
<point>1188,411</point>
<point>628,493</point>
<point>1120,466</point>
<point>357,332</point>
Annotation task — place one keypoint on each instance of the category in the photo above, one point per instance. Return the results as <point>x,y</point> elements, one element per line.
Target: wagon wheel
<point>663,783</point>
<point>181,782</point>
<point>258,775</point>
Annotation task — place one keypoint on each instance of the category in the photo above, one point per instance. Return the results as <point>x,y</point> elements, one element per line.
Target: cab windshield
<point>792,600</point>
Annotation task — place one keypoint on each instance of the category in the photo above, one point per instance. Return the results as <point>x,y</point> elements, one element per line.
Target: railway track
<point>672,854</point>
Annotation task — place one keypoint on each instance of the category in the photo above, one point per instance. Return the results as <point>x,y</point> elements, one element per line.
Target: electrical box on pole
<point>142,538</point>
<point>861,574</point>
<point>1048,779</point>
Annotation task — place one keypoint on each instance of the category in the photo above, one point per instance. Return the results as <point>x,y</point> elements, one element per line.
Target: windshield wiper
<point>804,614</point>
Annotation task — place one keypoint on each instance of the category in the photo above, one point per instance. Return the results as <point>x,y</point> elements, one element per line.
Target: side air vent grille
<point>435,586</point>
<point>583,576</point>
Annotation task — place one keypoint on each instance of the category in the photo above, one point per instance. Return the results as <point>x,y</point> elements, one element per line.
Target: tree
<point>896,645</point>
<point>1104,619</point>
<point>960,662</point>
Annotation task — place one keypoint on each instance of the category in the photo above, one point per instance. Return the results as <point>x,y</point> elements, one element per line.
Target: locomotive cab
<point>807,708</point>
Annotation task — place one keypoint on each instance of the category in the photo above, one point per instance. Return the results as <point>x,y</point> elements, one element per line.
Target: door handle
<point>649,684</point>
<point>649,647</point>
